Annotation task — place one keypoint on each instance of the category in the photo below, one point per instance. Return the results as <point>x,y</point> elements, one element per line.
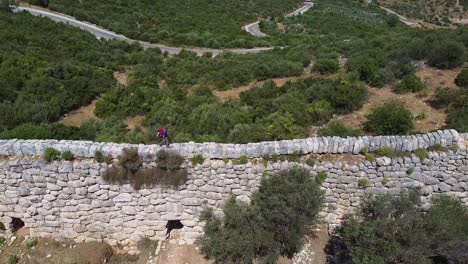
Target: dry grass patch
<point>80,116</point>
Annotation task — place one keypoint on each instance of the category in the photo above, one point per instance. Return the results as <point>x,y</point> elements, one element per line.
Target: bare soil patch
<point>51,251</point>
<point>134,122</point>
<point>80,116</point>
<point>122,77</point>
<point>434,78</point>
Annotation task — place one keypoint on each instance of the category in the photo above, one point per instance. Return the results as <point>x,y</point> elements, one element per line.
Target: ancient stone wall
<point>69,199</point>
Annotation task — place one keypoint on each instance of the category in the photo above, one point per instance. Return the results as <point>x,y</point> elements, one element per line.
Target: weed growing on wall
<point>129,169</point>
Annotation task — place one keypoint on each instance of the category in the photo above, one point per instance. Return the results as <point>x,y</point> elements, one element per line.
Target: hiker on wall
<point>163,133</point>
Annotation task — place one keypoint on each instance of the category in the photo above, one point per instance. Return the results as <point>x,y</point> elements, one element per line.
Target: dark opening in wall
<point>16,224</point>
<point>171,225</point>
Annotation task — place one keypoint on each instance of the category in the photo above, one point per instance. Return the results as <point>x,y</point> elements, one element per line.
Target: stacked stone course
<point>69,199</point>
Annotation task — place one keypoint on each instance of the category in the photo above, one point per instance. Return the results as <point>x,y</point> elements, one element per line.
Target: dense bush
<point>51,154</point>
<point>178,22</point>
<point>326,65</point>
<point>337,128</point>
<point>68,155</point>
<point>462,79</point>
<point>272,226</point>
<point>410,83</point>
<point>395,228</point>
<point>390,119</point>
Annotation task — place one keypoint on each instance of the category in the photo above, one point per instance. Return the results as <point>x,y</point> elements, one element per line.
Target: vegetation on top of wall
<point>399,227</point>
<point>51,154</point>
<point>273,225</point>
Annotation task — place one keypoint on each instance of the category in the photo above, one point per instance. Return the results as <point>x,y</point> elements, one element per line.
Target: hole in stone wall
<point>16,224</point>
<point>171,225</point>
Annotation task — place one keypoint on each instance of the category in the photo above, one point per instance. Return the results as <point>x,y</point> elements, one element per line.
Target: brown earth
<point>86,113</point>
<point>80,116</point>
<point>134,122</point>
<point>122,77</point>
<point>434,78</point>
<point>53,252</point>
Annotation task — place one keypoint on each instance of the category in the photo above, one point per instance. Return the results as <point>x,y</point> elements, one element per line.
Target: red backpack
<point>160,132</point>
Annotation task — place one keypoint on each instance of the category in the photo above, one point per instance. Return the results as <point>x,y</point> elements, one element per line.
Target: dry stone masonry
<point>69,199</point>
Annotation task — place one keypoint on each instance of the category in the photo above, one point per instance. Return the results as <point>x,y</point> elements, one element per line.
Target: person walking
<point>163,132</point>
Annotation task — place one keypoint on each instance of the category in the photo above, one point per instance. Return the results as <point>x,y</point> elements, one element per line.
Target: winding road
<point>99,32</point>
<point>254,28</point>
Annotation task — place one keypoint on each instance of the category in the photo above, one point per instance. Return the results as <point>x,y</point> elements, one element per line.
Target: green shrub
<point>364,150</point>
<point>462,79</point>
<point>321,177</point>
<point>409,171</point>
<point>31,243</point>
<point>310,162</point>
<point>410,83</point>
<point>337,128</point>
<point>273,225</point>
<point>13,259</point>
<point>390,227</point>
<point>197,159</point>
<point>67,155</point>
<point>326,66</point>
<point>2,226</point>
<point>421,153</point>
<point>454,147</point>
<point>51,154</point>
<point>2,241</point>
<point>242,160</point>
<point>438,148</point>
<point>370,157</point>
<point>390,119</point>
<point>385,152</point>
<point>363,183</point>
<point>101,158</point>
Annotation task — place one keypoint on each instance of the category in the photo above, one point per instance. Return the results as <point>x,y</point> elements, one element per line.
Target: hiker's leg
<point>167,142</point>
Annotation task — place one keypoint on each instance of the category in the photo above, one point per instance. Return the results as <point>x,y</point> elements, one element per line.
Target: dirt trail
<point>80,116</point>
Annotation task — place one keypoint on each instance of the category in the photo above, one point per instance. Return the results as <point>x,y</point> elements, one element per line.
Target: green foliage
<point>101,158</point>
<point>370,157</point>
<point>51,154</point>
<point>2,226</point>
<point>321,177</point>
<point>337,128</point>
<point>197,159</point>
<point>68,155</point>
<point>310,162</point>
<point>157,21</point>
<point>363,183</point>
<point>273,225</point>
<point>13,259</point>
<point>2,241</point>
<point>242,160</point>
<point>31,243</point>
<point>462,79</point>
<point>385,152</point>
<point>447,55</point>
<point>438,148</point>
<point>421,153</point>
<point>396,227</point>
<point>410,83</point>
<point>390,119</point>
<point>326,65</point>
<point>409,171</point>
